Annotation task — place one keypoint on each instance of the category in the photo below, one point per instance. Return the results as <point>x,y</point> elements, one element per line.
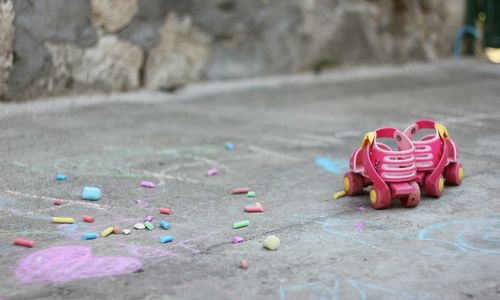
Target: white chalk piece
<point>272,242</point>
<point>126,231</point>
<point>91,193</point>
<point>139,226</point>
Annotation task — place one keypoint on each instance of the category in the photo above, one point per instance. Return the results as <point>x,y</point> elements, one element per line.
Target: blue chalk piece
<point>164,225</point>
<point>166,239</point>
<point>229,146</point>
<point>91,193</point>
<point>60,177</point>
<point>89,236</point>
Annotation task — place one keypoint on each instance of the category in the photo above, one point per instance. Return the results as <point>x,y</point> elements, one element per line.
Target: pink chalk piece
<point>68,263</point>
<point>244,264</point>
<point>212,172</point>
<point>237,239</point>
<point>360,226</point>
<point>147,184</point>
<point>165,211</point>
<point>148,218</point>
<point>253,209</point>
<point>361,209</point>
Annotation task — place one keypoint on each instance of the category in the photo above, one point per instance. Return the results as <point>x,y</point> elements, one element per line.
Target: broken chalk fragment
<point>139,226</point>
<point>89,236</point>
<point>253,209</point>
<point>88,219</point>
<point>116,229</point>
<point>212,172</point>
<point>126,231</point>
<point>272,242</point>
<point>240,191</point>
<point>25,243</point>
<point>237,239</point>
<point>244,264</point>
<point>338,195</point>
<point>164,225</point>
<point>107,231</point>
<point>60,177</point>
<point>91,193</point>
<point>147,184</point>
<point>251,194</point>
<point>360,226</point>
<point>241,224</point>
<point>149,225</point>
<point>257,204</point>
<point>63,220</point>
<point>148,218</point>
<point>57,202</point>
<point>166,239</point>
<point>229,146</point>
<point>165,211</point>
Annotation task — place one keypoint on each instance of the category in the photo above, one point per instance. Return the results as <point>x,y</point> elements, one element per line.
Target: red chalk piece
<point>244,264</point>
<point>88,219</point>
<point>240,191</point>
<point>165,211</point>
<point>252,209</point>
<point>57,201</point>
<point>25,243</point>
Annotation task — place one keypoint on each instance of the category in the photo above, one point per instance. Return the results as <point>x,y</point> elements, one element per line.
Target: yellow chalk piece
<point>338,195</point>
<point>369,137</point>
<point>257,204</point>
<point>63,220</point>
<point>107,231</point>
<point>443,132</point>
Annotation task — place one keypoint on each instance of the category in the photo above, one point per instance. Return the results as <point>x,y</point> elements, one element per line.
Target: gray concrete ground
<point>447,248</point>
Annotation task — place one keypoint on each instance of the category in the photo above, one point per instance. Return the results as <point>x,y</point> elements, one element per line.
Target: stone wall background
<point>54,47</point>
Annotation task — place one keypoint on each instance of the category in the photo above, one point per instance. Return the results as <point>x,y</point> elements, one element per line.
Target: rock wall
<point>53,47</point>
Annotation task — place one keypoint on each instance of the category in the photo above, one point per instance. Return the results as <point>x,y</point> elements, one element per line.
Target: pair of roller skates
<point>428,163</point>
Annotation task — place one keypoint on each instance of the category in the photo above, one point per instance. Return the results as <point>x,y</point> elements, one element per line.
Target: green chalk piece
<point>251,194</point>
<point>149,225</point>
<point>241,224</point>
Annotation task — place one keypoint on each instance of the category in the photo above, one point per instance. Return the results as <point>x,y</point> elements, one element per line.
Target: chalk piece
<point>148,218</point>
<point>253,209</point>
<point>147,184</point>
<point>229,146</point>
<point>149,225</point>
<point>91,193</point>
<point>360,226</point>
<point>57,202</point>
<point>361,209</point>
<point>60,177</point>
<point>212,172</point>
<point>164,225</point>
<point>165,211</point>
<point>241,224</point>
<point>139,226</point>
<point>251,194</point>
<point>237,239</point>
<point>107,231</point>
<point>63,220</point>
<point>166,239</point>
<point>88,219</point>
<point>116,229</point>
<point>272,242</point>
<point>25,243</point>
<point>89,236</point>
<point>240,191</point>
<point>257,204</point>
<point>244,264</point>
<point>126,231</point>
<point>338,195</point>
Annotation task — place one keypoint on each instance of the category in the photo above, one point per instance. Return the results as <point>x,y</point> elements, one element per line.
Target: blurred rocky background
<point>56,47</point>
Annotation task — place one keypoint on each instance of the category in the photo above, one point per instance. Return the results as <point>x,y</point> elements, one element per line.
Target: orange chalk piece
<point>57,202</point>
<point>240,191</point>
<point>244,264</point>
<point>165,211</point>
<point>253,209</point>
<point>116,229</point>
<point>25,243</point>
<point>88,219</point>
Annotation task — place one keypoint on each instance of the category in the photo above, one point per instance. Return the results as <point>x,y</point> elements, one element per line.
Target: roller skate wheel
<point>441,184</point>
<point>373,197</point>
<point>460,174</point>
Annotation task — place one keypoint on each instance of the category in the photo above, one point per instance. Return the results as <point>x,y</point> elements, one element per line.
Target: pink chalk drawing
<point>360,226</point>
<point>67,263</point>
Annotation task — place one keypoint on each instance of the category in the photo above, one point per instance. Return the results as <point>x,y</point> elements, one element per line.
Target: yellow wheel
<point>373,197</point>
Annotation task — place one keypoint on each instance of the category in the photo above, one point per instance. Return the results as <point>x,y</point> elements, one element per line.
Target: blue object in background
<point>332,165</point>
<point>229,146</point>
<point>164,225</point>
<point>60,177</point>
<point>91,193</point>
<point>166,239</point>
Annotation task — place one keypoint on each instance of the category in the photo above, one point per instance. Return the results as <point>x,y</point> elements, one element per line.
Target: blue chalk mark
<point>362,286</point>
<point>331,165</point>
<point>229,146</point>
<point>91,193</point>
<point>60,177</point>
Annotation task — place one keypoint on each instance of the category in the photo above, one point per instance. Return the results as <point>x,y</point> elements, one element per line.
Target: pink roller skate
<point>436,157</point>
<point>391,173</point>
